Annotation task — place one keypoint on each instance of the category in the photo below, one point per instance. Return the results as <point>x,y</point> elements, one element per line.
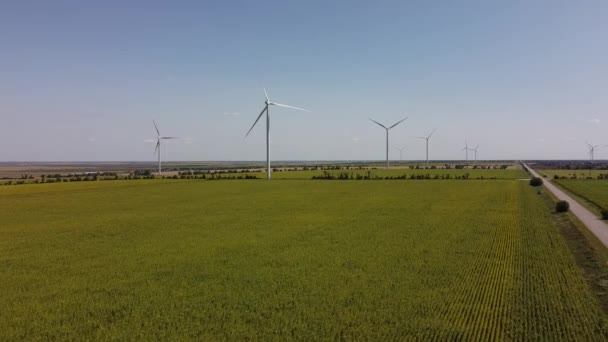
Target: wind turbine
<point>592,150</point>
<point>466,149</point>
<point>157,149</point>
<point>387,129</point>
<point>400,149</point>
<point>427,144</point>
<point>266,107</point>
<point>475,150</point>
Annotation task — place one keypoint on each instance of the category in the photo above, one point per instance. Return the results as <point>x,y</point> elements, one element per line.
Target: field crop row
<point>236,260</point>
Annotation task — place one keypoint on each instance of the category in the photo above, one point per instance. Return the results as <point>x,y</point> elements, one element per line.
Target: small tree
<point>562,206</point>
<point>536,181</point>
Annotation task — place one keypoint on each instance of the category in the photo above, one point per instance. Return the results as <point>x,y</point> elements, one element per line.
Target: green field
<point>308,260</point>
<point>594,191</point>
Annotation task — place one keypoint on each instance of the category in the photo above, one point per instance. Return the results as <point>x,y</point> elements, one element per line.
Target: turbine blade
<point>256,120</point>
<point>430,135</point>
<point>286,106</point>
<point>169,137</point>
<point>265,93</point>
<point>157,146</point>
<point>157,132</point>
<point>420,137</point>
<point>398,122</point>
<point>381,125</point>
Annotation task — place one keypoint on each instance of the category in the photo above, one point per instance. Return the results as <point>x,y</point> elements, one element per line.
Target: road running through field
<point>595,225</point>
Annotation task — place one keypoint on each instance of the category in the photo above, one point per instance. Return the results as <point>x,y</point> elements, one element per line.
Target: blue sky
<point>83,80</point>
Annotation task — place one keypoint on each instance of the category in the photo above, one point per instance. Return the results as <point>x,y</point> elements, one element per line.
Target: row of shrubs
<point>45,180</point>
<point>574,176</point>
<point>369,176</point>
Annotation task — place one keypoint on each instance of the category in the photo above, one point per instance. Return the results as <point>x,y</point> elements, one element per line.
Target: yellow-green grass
<point>308,260</point>
<point>593,191</point>
<point>472,173</point>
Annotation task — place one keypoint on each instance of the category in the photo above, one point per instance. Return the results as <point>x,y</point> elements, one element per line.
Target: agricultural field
<point>593,191</point>
<point>383,260</point>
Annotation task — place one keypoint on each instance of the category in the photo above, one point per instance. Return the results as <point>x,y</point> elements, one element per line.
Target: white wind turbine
<point>466,149</point>
<point>400,149</point>
<point>475,150</point>
<point>427,138</point>
<point>157,149</point>
<point>387,129</point>
<point>592,150</point>
<point>265,110</point>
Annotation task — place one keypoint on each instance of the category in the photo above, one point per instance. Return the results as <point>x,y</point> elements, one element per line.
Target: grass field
<point>384,260</point>
<point>594,191</point>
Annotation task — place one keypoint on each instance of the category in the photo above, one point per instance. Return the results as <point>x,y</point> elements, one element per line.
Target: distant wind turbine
<point>592,150</point>
<point>266,107</point>
<point>387,129</point>
<point>475,150</point>
<point>466,149</point>
<point>400,149</point>
<point>157,149</point>
<point>427,138</point>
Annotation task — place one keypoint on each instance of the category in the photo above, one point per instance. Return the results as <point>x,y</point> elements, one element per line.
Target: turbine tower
<point>466,149</point>
<point>265,110</point>
<point>387,129</point>
<point>592,150</point>
<point>475,150</point>
<point>400,149</point>
<point>157,149</point>
<point>427,144</point>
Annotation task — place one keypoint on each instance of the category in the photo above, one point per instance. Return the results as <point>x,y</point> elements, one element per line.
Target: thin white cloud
<point>542,140</point>
<point>92,139</point>
<point>356,139</point>
<point>594,121</point>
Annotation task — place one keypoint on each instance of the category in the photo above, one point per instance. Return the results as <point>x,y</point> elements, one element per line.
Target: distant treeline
<point>369,176</point>
<point>106,176</point>
<point>571,165</point>
<point>575,176</point>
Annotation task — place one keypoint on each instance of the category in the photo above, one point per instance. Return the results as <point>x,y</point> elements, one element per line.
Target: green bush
<point>535,181</point>
<point>562,206</point>
<point>604,214</point>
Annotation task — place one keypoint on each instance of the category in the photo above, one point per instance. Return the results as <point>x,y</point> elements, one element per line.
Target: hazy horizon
<point>83,81</point>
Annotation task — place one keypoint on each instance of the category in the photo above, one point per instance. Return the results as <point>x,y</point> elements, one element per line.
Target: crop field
<point>308,260</point>
<point>595,191</point>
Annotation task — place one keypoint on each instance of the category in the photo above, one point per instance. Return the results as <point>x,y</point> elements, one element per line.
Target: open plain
<point>250,259</point>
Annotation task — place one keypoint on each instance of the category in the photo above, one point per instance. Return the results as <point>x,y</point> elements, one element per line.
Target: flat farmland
<point>307,260</point>
<point>595,191</point>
